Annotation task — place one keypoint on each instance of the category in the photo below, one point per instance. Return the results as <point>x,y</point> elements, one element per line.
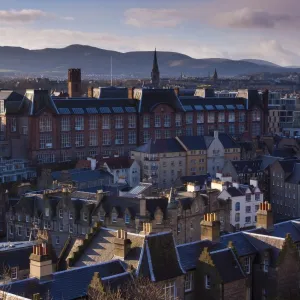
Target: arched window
<point>237,206</point>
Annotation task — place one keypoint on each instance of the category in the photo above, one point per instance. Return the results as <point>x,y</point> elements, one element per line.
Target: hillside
<point>52,62</point>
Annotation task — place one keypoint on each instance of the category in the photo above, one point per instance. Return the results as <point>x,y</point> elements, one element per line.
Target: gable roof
<point>234,192</point>
<point>161,146</point>
<point>121,162</point>
<point>159,257</point>
<point>227,141</point>
<point>193,143</point>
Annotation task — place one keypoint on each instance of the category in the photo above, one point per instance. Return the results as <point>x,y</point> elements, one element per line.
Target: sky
<point>234,29</point>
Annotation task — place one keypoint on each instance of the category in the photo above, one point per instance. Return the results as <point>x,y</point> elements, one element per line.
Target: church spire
<point>215,76</point>
<point>155,71</point>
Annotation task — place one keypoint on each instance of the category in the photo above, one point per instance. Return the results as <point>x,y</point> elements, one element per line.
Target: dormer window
<point>60,213</point>
<point>70,215</point>
<point>266,264</point>
<point>114,217</point>
<point>127,218</point>
<point>247,266</point>
<point>207,282</point>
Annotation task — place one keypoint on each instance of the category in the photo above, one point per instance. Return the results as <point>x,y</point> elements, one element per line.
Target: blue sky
<point>236,29</point>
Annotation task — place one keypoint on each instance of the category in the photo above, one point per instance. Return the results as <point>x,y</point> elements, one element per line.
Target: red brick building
<point>48,129</point>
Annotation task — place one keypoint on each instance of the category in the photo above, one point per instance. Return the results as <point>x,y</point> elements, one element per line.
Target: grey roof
<point>194,142</point>
<point>113,92</point>
<point>295,176</point>
<point>247,166</point>
<point>160,146</point>
<point>227,141</point>
<point>267,161</point>
<point>70,284</point>
<point>288,164</point>
<point>234,192</point>
<point>227,265</point>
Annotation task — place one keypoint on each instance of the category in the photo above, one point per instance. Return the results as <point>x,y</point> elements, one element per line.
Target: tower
<point>155,72</point>
<point>215,76</point>
<point>74,82</point>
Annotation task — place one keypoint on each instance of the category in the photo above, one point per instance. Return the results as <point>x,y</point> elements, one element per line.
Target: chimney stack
<point>122,244</point>
<point>176,90</point>
<point>90,92</point>
<point>40,261</point>
<point>130,92</point>
<point>210,228</point>
<point>74,83</point>
<point>147,228</point>
<point>265,216</point>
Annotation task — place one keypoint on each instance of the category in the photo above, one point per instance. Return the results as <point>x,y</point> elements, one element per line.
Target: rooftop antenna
<point>111,77</point>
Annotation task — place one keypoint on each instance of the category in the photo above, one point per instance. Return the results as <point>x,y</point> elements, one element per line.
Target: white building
<point>123,169</point>
<point>245,200</point>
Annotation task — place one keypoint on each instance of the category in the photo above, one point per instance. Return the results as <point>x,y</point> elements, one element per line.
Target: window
<point>237,206</point>
<point>61,226</point>
<point>188,282</point>
<point>157,121</point>
<point>93,138</point>
<point>157,134</point>
<point>231,116</point>
<point>248,209</point>
<point>200,117</point>
<point>79,123</point>
<point>146,136</point>
<point>146,121</point>
<point>105,122</point>
<point>242,116</point>
<point>118,122</point>
<point>93,122</point>
<point>256,129</point>
<point>19,217</point>
<point>2,125</point>
<point>27,218</point>
<point>45,124</point>
<point>65,140</point>
<point>13,125</point>
<point>247,265</point>
<point>24,130</point>
<point>27,231</point>
<point>189,131</point>
<point>14,273</point>
<point>167,121</point>
<point>70,228</point>
<point>79,140</point>
<point>131,121</point>
<point>170,291</point>
<point>189,118</point>
<point>45,141</point>
<point>231,129</point>
<point>47,212</point>
<point>221,117</point>
<point>65,124</point>
<point>248,197</point>
<point>256,208</point>
<point>106,138</point>
<point>241,128</point>
<point>256,116</point>
<point>119,137</point>
<point>84,216</point>
<point>131,137</point>
<point>80,155</point>
<point>207,282</point>
<point>70,215</point>
<point>248,219</point>
<point>114,217</point>
<point>257,196</point>
<point>237,217</point>
<point>60,213</point>
<point>211,117</point>
<point>200,130</point>
<point>266,265</point>
<point>178,120</point>
<point>57,240</point>
<point>167,134</point>
<point>47,225</point>
<point>2,107</point>
<point>127,218</point>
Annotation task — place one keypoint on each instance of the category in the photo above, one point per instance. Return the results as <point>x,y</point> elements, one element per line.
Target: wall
<point>215,157</point>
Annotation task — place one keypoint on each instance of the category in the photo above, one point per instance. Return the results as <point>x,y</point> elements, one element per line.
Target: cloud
<point>155,18</point>
<point>20,16</point>
<point>68,18</point>
<point>250,18</point>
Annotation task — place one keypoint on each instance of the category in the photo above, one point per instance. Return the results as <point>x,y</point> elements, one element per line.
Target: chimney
<point>147,228</point>
<point>122,244</point>
<point>40,261</point>
<point>130,92</point>
<point>265,216</point>
<point>74,83</point>
<point>210,228</point>
<point>90,92</point>
<point>176,90</point>
<point>99,195</point>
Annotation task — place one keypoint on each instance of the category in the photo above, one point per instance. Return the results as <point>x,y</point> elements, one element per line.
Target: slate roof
<point>234,192</point>
<point>200,179</point>
<point>295,176</point>
<point>227,265</point>
<point>102,247</point>
<point>160,258</point>
<point>285,153</point>
<point>113,92</point>
<point>71,284</point>
<point>12,101</point>
<point>117,162</point>
<point>288,164</point>
<point>227,141</point>
<point>161,146</point>
<point>150,98</point>
<point>247,166</point>
<point>193,142</point>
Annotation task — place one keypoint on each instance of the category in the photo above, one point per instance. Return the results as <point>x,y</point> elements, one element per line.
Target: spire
<point>155,71</point>
<point>215,76</point>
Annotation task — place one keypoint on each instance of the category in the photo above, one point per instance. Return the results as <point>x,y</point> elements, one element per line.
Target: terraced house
<point>115,121</point>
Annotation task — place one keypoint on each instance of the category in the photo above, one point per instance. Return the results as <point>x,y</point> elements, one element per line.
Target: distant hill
<point>91,60</point>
